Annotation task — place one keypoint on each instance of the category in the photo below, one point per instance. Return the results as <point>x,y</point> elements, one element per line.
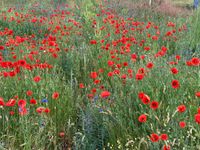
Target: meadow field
<point>99,75</point>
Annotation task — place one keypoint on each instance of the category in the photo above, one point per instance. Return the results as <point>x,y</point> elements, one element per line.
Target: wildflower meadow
<point>99,75</point>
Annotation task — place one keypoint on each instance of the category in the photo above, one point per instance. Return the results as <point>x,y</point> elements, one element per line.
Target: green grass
<point>183,2</point>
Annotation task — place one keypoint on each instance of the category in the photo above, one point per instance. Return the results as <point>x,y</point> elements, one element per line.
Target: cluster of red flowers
<point>164,137</point>
<point>120,62</point>
<point>155,137</point>
<point>22,103</point>
<point>146,100</point>
<point>193,62</point>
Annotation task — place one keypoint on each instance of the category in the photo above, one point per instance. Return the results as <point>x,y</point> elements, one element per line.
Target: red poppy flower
<point>197,94</point>
<point>110,63</point>
<point>93,42</point>
<point>149,65</point>
<point>178,57</point>
<point>174,70</point>
<point>164,137</point>
<point>195,61</point>
<point>154,105</point>
<point>47,110</point>
<point>93,75</point>
<point>110,74</point>
<point>54,55</point>
<point>130,71</point>
<point>40,110</point>
<point>21,103</point>
<point>33,20</point>
<point>197,118</point>
<point>198,110</point>
<point>141,95</point>
<point>145,99</point>
<point>181,108</point>
<point>142,57</point>
<point>37,78</point>
<point>22,62</point>
<point>133,56</point>
<point>154,37</point>
<point>29,93</point>
<point>11,113</point>
<point>123,76</point>
<point>175,84</point>
<point>141,70</point>
<point>90,96</point>
<point>81,85</point>
<point>125,64</point>
<point>94,90</point>
<point>1,102</point>
<point>97,81</point>
<point>154,137</point>
<point>11,102</point>
<point>52,43</point>
<point>188,63</point>
<point>1,47</point>
<point>12,73</point>
<point>142,118</point>
<point>62,134</point>
<point>182,124</point>
<point>119,66</point>
<point>105,94</point>
<point>166,147</point>
<point>164,49</point>
<point>33,101</point>
<point>139,76</point>
<point>168,33</point>
<point>146,48</point>
<point>55,95</point>
<point>116,71</point>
